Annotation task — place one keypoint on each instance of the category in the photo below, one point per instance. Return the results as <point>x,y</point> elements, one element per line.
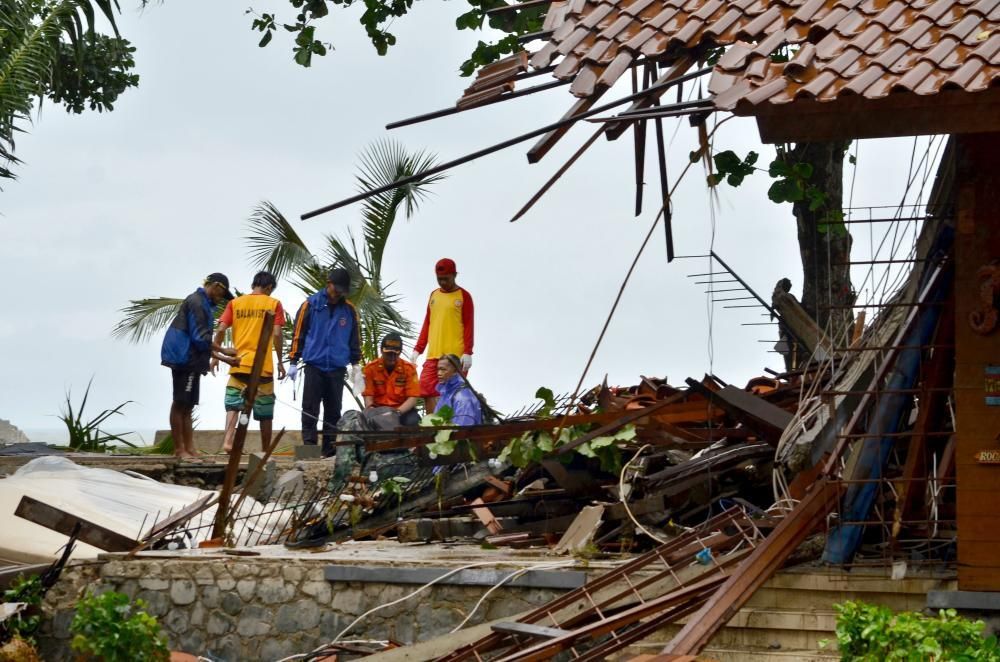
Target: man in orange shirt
<point>447,329</point>
<point>245,315</point>
<point>392,382</point>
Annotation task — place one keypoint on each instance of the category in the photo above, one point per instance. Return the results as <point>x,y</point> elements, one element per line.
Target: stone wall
<point>266,609</point>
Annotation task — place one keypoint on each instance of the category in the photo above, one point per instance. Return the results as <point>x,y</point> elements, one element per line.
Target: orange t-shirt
<point>391,389</point>
<point>245,316</point>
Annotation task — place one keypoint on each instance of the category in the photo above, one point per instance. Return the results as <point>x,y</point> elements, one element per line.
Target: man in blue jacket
<point>187,350</point>
<point>327,338</point>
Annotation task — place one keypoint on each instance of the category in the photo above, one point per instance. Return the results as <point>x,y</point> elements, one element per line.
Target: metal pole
<point>507,143</point>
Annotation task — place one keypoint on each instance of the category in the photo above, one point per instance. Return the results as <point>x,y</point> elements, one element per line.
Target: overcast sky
<point>147,200</point>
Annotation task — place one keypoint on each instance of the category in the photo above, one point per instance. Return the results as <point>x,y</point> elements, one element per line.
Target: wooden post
<point>233,468</point>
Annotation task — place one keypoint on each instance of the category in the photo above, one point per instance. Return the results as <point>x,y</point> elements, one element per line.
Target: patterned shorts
<point>263,405</point>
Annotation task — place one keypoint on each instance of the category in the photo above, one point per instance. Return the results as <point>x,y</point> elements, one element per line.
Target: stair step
<point>737,654</point>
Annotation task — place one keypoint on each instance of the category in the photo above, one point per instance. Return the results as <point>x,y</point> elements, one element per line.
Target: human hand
<point>357,380</point>
<point>229,351</point>
<point>281,370</point>
<point>293,371</point>
<point>213,365</point>
<point>466,362</point>
<point>415,357</point>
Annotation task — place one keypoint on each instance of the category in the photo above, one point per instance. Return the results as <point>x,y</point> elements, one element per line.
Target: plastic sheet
<point>112,499</point>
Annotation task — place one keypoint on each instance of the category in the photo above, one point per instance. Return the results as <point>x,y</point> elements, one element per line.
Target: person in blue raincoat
<point>455,393</point>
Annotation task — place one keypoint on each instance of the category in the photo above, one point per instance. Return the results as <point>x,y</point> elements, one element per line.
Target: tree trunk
<point>824,243</point>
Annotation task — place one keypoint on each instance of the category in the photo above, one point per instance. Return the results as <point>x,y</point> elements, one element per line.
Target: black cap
<point>341,280</point>
<point>392,342</point>
<point>222,280</point>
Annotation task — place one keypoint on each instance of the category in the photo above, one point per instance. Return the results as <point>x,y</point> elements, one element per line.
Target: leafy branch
<point>378,16</point>
<point>792,183</point>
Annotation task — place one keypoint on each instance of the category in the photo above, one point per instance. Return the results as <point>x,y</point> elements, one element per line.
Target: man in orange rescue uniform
<point>447,329</point>
<point>392,382</point>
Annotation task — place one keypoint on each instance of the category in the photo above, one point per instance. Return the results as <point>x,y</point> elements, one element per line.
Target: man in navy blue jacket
<point>187,350</point>
<point>327,338</point>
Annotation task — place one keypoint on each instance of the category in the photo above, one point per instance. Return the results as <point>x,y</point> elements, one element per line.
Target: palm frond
<point>273,242</point>
<point>30,36</point>
<point>146,317</point>
<point>382,163</point>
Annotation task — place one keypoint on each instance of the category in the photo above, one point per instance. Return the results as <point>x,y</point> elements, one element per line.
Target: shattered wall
<point>266,609</point>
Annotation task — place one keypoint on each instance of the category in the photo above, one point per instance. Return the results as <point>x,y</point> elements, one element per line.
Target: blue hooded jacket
<point>461,399</point>
<point>187,344</point>
<point>326,336</point>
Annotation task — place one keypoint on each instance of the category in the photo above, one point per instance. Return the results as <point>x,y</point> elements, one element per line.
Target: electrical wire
<point>510,577</point>
<point>621,497</point>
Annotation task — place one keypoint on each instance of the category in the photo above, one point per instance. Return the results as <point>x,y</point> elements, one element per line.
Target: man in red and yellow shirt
<point>392,382</point>
<point>447,329</point>
<point>245,316</point>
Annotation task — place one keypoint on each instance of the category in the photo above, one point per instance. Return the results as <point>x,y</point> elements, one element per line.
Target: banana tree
<point>274,245</point>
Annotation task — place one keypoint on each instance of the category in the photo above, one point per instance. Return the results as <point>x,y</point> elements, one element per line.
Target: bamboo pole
<point>243,422</point>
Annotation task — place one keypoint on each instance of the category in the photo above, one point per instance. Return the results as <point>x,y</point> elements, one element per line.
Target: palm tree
<point>276,246</point>
<point>32,38</point>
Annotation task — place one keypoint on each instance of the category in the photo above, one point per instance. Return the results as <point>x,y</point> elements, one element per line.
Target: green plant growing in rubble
<point>87,436</point>
<point>110,628</point>
<point>29,591</point>
<point>872,633</point>
<point>394,487</point>
<point>533,446</point>
<point>443,444</point>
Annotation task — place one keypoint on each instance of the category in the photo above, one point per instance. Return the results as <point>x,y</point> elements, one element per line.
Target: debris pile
<point>619,470</point>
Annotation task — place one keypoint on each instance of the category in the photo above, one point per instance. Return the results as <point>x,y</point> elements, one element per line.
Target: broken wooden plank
<point>767,420</point>
<point>488,519</point>
<point>62,522</point>
<point>756,569</point>
<point>581,531</point>
<point>528,629</point>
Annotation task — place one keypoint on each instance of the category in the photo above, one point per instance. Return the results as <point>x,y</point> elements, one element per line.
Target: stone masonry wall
<point>266,609</point>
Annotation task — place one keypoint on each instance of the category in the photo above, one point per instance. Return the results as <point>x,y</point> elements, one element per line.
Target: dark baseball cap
<point>341,280</point>
<point>222,280</point>
<point>392,342</point>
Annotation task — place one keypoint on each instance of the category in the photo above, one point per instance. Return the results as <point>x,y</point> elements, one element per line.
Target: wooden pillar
<point>977,355</point>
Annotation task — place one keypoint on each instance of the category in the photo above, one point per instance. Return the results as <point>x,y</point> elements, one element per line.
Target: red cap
<point>445,267</point>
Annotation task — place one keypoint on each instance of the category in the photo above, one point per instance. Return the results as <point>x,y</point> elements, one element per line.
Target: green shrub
<point>109,628</point>
<point>870,633</point>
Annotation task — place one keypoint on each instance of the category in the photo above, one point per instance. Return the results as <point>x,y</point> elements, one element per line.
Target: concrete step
<point>792,614</point>
<point>724,654</point>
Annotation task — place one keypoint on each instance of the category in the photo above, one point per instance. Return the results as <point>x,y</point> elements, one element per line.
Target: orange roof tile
<point>840,48</point>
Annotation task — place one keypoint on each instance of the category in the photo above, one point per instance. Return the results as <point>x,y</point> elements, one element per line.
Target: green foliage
<point>93,76</point>
<point>731,168</point>
<point>534,446</point>
<point>27,590</point>
<point>791,183</point>
<point>87,436</point>
<point>871,633</point>
<point>394,487</point>
<point>443,444</point>
<point>108,627</point>
<point>379,15</point>
<point>50,49</point>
